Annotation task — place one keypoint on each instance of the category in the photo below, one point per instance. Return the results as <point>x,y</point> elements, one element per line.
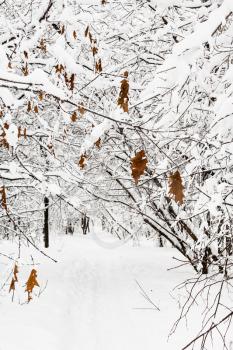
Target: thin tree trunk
<point>46,222</point>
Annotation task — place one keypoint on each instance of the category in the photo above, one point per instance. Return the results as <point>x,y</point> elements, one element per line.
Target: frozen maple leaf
<point>176,188</point>
<point>138,165</point>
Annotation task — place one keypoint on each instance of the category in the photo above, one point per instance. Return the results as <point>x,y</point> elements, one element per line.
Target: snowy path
<point>92,301</point>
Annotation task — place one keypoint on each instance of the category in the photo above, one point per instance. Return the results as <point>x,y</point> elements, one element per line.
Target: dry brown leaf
<point>12,285</point>
<point>82,161</point>
<point>81,109</point>
<point>138,165</point>
<point>19,132</point>
<point>59,68</point>
<point>40,96</point>
<point>72,82</point>
<point>98,66</point>
<point>6,126</point>
<point>123,96</point>
<point>25,69</point>
<point>98,143</point>
<point>42,46</point>
<point>36,110</point>
<point>176,188</point>
<point>29,108</point>
<point>74,35</point>
<point>15,271</point>
<point>3,199</point>
<point>74,117</point>
<point>31,283</point>
<point>62,30</point>
<point>86,31</point>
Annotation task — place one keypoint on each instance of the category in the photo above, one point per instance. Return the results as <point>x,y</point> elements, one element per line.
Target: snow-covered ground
<point>92,298</point>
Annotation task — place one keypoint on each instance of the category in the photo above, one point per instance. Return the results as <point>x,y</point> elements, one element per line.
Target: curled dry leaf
<point>138,165</point>
<point>176,188</point>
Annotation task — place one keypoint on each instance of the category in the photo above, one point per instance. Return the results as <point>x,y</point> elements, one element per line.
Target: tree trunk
<point>46,222</point>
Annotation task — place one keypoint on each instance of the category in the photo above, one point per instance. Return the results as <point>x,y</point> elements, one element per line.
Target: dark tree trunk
<point>205,262</point>
<point>46,222</point>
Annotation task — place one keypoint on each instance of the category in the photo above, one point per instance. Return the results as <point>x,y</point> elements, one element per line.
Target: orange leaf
<point>31,283</point>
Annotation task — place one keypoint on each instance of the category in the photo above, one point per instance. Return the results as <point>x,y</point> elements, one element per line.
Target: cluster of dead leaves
<point>98,66</point>
<point>42,45</point>
<point>3,141</point>
<point>94,48</point>
<point>175,183</point>
<point>34,106</point>
<point>81,110</point>
<point>22,132</point>
<point>83,158</point>
<point>123,98</point>
<point>30,284</point>
<point>82,161</point>
<point>69,80</point>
